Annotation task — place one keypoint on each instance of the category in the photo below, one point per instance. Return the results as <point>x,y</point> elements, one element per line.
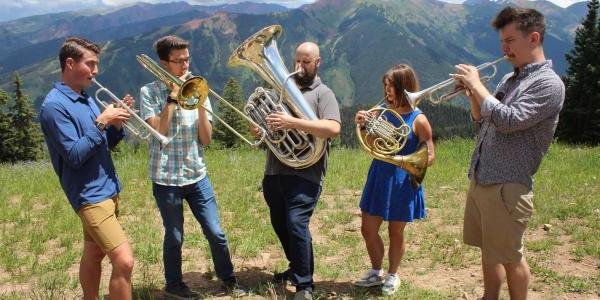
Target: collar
<point>533,67</point>
<point>67,91</point>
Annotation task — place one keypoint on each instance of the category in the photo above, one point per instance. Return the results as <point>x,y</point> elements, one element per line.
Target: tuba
<point>383,140</point>
<point>435,93</point>
<point>292,147</point>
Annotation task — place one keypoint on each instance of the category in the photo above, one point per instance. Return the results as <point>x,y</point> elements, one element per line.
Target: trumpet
<point>135,125</point>
<point>435,95</point>
<point>193,93</point>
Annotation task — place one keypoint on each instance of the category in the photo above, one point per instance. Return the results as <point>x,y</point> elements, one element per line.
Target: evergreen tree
<point>233,94</point>
<point>6,136</point>
<point>27,133</point>
<point>580,116</point>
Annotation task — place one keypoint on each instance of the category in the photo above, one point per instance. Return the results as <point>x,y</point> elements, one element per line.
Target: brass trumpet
<point>193,93</point>
<point>135,125</point>
<point>432,92</point>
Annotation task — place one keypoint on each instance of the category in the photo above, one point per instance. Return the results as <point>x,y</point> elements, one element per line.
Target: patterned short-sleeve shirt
<point>181,162</point>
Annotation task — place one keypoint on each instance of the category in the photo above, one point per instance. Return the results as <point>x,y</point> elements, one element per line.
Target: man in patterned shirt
<point>517,124</point>
<point>178,171</point>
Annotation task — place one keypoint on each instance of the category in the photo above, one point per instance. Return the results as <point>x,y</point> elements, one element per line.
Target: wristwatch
<point>101,126</point>
<point>171,100</point>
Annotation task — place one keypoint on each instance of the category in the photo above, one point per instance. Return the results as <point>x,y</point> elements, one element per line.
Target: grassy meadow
<point>41,239</point>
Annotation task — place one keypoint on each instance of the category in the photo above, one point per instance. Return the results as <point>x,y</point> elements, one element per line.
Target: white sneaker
<point>371,278</point>
<point>390,284</point>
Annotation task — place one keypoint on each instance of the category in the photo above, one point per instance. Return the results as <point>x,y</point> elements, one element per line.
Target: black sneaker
<point>283,276</point>
<point>180,291</point>
<point>234,289</point>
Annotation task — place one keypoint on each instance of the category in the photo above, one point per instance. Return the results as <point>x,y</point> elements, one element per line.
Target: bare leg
<point>397,245</point>
<point>493,275</point>
<point>90,269</point>
<point>518,277</point>
<point>370,232</point>
<point>121,259</point>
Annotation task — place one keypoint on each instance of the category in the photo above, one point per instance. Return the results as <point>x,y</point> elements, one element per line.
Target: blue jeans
<point>291,201</point>
<point>201,199</point>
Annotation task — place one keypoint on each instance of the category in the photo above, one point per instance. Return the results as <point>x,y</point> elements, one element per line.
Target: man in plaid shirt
<point>178,171</point>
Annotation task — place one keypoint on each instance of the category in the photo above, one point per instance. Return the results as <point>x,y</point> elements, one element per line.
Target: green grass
<point>40,235</point>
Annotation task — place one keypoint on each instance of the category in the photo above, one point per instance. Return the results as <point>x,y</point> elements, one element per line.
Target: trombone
<point>135,125</point>
<point>193,93</point>
<point>433,92</point>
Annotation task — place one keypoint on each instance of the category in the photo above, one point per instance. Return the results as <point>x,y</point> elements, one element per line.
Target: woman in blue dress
<point>389,195</point>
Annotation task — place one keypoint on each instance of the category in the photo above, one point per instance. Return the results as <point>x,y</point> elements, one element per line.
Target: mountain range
<point>359,40</point>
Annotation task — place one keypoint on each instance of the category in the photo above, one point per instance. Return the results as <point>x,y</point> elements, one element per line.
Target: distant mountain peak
<point>220,21</point>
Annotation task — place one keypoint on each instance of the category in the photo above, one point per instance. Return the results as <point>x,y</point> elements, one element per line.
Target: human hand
<point>113,116</point>
<point>361,117</point>
<point>278,120</point>
<point>467,75</point>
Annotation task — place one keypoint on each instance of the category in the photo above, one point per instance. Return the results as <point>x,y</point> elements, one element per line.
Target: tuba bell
<point>383,140</point>
<point>292,147</point>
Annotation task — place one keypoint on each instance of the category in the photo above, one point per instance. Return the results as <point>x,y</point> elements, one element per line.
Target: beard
<point>306,78</point>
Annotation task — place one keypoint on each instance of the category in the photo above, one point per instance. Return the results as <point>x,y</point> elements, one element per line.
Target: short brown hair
<point>402,77</point>
<point>165,44</point>
<point>528,20</point>
<point>73,48</point>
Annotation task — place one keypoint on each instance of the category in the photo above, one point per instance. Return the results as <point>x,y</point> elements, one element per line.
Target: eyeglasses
<point>181,61</point>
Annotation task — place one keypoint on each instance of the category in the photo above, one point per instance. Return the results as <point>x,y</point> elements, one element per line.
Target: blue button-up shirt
<point>79,151</point>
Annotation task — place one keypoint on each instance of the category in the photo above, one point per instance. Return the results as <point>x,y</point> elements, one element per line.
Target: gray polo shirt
<point>322,100</point>
<point>518,125</point>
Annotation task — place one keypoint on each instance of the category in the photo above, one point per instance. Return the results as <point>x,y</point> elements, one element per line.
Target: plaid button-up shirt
<point>181,162</point>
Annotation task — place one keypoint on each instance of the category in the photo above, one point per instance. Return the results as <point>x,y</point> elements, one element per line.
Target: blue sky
<point>12,9</point>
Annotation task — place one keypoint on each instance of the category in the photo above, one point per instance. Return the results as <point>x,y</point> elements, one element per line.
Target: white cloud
<point>561,3</point>
<point>565,3</point>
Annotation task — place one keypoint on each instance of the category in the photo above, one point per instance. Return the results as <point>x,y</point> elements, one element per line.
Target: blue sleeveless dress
<point>388,192</point>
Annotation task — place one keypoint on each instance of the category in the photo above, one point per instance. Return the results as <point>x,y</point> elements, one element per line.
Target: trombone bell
<point>193,93</point>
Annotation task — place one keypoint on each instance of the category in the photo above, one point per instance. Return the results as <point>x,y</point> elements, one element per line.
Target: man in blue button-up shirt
<point>79,136</point>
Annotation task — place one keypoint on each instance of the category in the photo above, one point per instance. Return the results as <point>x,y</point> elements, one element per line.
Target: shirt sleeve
<point>149,107</point>
<point>328,108</point>
<point>208,106</point>
<point>114,136</point>
<point>61,133</point>
<point>537,102</point>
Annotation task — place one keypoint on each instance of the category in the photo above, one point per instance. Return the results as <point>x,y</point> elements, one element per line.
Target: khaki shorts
<point>495,219</point>
<point>100,224</point>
